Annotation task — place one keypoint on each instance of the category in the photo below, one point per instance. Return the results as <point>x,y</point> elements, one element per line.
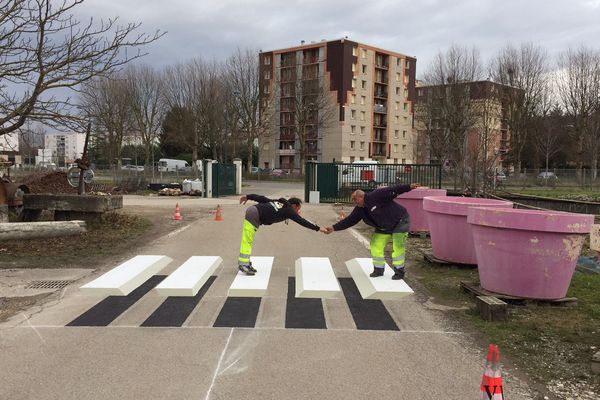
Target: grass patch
<point>562,193</point>
<point>114,233</point>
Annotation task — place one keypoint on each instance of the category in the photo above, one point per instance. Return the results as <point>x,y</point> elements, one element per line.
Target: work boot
<point>399,274</point>
<point>246,269</point>
<point>376,272</point>
<point>251,268</point>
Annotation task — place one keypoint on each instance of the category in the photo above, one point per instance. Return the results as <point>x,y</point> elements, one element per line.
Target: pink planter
<point>450,233</point>
<point>413,202</point>
<point>528,253</point>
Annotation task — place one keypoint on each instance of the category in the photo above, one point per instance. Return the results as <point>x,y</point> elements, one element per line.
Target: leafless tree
<point>525,68</point>
<point>43,47</point>
<point>448,82</point>
<point>106,102</point>
<point>579,91</point>
<point>144,89</point>
<point>31,138</point>
<point>548,133</point>
<point>253,118</point>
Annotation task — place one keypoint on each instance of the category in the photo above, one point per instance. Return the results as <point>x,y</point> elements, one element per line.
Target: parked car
<point>136,168</point>
<point>278,172</point>
<point>254,170</point>
<point>500,176</point>
<point>547,175</point>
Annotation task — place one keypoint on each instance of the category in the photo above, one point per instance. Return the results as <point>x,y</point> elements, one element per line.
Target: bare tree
<point>44,48</point>
<point>525,68</point>
<point>549,132</point>
<point>105,101</point>
<point>253,117</point>
<point>448,81</point>
<point>144,89</point>
<point>31,138</point>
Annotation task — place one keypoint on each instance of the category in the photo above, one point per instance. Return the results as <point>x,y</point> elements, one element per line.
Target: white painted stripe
<point>256,285</point>
<point>315,278</point>
<point>123,279</point>
<point>189,277</point>
<point>214,378</point>
<point>178,231</point>
<point>382,287</point>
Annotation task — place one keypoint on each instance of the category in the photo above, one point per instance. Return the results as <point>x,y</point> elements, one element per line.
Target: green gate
<point>223,179</point>
<point>336,182</point>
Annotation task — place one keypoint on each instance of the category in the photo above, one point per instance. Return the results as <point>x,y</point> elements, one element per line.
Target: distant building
<point>372,90</point>
<point>9,148</point>
<point>65,147</point>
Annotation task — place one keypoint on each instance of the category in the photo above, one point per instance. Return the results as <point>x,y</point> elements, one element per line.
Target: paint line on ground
<point>238,312</point>
<point>301,313</point>
<point>367,314</point>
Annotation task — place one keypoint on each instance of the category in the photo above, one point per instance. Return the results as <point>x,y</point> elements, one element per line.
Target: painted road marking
<point>382,287</point>
<point>189,277</point>
<point>367,314</point>
<point>253,286</point>
<point>315,278</point>
<point>303,313</point>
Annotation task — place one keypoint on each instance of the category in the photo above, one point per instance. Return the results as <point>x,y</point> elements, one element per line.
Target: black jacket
<point>271,211</point>
<point>380,210</point>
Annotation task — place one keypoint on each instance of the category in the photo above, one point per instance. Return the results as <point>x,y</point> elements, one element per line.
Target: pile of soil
<point>48,182</point>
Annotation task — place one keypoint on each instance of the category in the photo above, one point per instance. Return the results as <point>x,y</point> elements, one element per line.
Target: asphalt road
<point>353,356</point>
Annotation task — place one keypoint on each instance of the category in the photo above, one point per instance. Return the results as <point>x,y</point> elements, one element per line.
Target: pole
<point>83,163</point>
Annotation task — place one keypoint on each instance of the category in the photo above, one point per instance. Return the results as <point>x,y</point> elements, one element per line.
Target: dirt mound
<point>48,182</point>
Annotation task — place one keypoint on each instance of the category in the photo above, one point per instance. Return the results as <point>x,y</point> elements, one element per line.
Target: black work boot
<point>251,268</point>
<point>376,272</point>
<point>399,274</point>
<point>246,269</point>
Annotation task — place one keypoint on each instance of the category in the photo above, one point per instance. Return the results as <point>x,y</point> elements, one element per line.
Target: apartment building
<point>369,95</point>
<point>484,114</point>
<point>65,147</point>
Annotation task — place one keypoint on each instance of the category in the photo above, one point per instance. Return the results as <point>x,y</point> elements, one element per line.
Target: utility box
<point>313,197</point>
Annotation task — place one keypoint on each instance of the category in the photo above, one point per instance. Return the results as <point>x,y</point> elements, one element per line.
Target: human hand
<point>243,200</point>
<point>329,230</point>
<point>323,230</point>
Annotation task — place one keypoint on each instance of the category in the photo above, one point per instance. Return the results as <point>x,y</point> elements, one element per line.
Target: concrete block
<point>123,279</point>
<point>72,202</point>
<point>596,363</point>
<point>315,278</point>
<point>189,277</point>
<point>492,309</point>
<point>382,287</point>
<point>45,229</point>
<point>253,286</point>
<point>595,237</point>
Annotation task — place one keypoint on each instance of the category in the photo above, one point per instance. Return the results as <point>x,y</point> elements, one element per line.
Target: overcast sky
<point>214,29</point>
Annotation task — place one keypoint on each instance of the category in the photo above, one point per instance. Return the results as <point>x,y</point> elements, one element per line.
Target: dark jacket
<point>271,211</point>
<point>380,210</point>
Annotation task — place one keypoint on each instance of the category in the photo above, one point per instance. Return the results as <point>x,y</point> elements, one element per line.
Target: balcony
<point>381,94</point>
<point>379,108</point>
<point>382,65</point>
<point>311,60</point>
<point>286,152</point>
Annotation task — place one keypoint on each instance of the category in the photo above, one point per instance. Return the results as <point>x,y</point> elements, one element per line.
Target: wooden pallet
<point>422,235</point>
<point>477,290</point>
<point>428,256</point>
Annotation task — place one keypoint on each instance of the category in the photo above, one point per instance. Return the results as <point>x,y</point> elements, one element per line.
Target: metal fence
<point>336,182</point>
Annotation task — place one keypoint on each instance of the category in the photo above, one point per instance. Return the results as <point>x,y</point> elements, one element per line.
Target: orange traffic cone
<point>491,384</point>
<point>218,216</point>
<point>342,214</point>
<point>177,213</point>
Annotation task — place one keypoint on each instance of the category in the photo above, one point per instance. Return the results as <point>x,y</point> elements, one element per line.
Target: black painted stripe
<point>238,312</point>
<point>367,314</point>
<point>303,313</point>
<point>176,309</point>
<point>111,307</point>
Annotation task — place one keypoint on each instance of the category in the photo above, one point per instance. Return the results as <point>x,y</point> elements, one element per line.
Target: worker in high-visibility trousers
<point>267,212</point>
<point>390,220</point>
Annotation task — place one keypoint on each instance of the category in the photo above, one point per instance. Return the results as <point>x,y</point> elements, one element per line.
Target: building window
<point>406,64</point>
<point>267,60</point>
<point>399,62</point>
<point>405,106</point>
<point>397,106</point>
<point>398,76</point>
<point>353,114</point>
<point>354,51</point>
<point>353,129</point>
<point>395,148</point>
<point>352,158</point>
<point>395,161</point>
<point>354,83</point>
<point>403,134</point>
<point>362,115</point>
<point>397,91</point>
<point>364,53</point>
<point>352,147</point>
<point>404,161</point>
<point>363,100</point>
<point>396,119</point>
<point>266,89</point>
<point>405,119</point>
<point>362,145</point>
<point>403,147</point>
<point>364,69</point>
<point>267,74</point>
<point>405,92</point>
<point>396,134</point>
<point>353,67</point>
<point>362,130</point>
<point>363,84</point>
<point>353,99</point>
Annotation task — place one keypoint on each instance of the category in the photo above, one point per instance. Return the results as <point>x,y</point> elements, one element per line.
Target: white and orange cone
<point>491,383</point>
<point>177,213</point>
<point>218,216</point>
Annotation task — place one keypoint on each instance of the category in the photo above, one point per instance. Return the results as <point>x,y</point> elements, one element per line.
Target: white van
<point>171,165</point>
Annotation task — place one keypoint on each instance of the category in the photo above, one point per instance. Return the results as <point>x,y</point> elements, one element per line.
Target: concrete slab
<point>338,314</point>
<point>123,279</point>
<point>382,287</point>
<point>253,286</point>
<point>189,277</point>
<point>315,278</point>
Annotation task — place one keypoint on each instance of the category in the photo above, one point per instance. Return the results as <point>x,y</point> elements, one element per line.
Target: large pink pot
<point>450,233</point>
<point>528,253</point>
<point>413,202</point>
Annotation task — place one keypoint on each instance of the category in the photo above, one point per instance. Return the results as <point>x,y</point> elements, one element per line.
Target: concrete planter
<point>450,233</point>
<point>527,253</point>
<point>413,202</point>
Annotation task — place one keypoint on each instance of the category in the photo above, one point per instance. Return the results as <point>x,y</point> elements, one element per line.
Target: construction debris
<point>170,192</point>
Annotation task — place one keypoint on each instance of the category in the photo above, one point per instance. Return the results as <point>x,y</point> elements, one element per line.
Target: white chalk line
<point>214,378</point>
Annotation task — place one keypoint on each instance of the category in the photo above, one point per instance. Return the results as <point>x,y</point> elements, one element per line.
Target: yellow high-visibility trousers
<point>248,234</point>
<point>378,242</point>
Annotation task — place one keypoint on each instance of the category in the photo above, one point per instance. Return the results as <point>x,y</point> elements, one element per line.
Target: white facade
<point>9,142</point>
<point>65,147</point>
<point>44,157</point>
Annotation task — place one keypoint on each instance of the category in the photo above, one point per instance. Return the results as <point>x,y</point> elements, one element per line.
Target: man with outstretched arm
<point>390,220</point>
<point>267,212</point>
